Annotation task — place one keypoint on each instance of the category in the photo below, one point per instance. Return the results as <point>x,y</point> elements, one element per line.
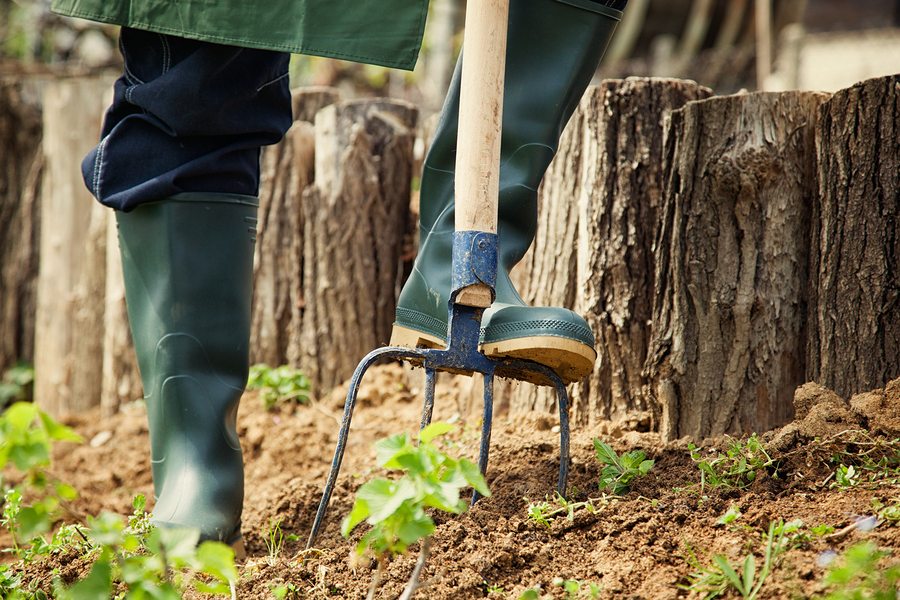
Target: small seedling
<point>718,577</point>
<point>619,471</point>
<point>541,513</point>
<point>274,538</point>
<point>286,591</point>
<point>738,467</point>
<point>820,530</point>
<point>846,477</point>
<point>889,513</point>
<point>859,575</point>
<point>26,437</point>
<point>573,587</point>
<point>163,569</point>
<point>396,509</point>
<point>730,517</point>
<point>281,384</point>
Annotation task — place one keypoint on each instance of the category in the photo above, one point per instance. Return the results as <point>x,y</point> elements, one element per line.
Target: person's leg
<point>179,161</point>
<point>553,49</point>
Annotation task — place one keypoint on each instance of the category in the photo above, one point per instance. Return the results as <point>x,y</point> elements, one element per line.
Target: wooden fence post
<point>287,168</point>
<point>20,188</point>
<point>593,248</point>
<point>72,275</point>
<point>854,316</point>
<point>727,349</point>
<point>355,217</point>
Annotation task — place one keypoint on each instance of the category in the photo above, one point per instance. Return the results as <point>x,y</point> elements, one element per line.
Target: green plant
<point>396,509</point>
<point>887,512</point>
<point>846,477</point>
<point>286,591</point>
<point>26,436</point>
<point>858,575</point>
<point>713,580</point>
<point>573,587</point>
<point>619,471</point>
<point>280,384</point>
<point>541,513</point>
<point>274,538</point>
<point>820,530</point>
<point>730,517</point>
<point>162,569</point>
<point>738,467</point>
<point>15,384</point>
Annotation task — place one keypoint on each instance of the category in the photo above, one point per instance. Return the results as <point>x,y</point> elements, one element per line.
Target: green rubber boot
<point>553,49</point>
<point>188,264</point>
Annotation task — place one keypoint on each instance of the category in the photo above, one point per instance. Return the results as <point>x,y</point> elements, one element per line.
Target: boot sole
<point>570,359</point>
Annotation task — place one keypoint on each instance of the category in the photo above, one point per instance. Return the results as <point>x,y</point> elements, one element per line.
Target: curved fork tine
<point>562,399</point>
<point>428,409</point>
<point>342,436</point>
<point>487,417</point>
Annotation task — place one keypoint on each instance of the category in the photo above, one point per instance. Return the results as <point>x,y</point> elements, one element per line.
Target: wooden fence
<point>724,249</point>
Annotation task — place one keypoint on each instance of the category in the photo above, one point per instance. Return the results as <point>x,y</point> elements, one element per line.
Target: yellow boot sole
<point>570,359</point>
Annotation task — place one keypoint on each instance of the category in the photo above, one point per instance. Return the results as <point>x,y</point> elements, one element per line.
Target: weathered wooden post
<point>355,216</point>
<point>727,348</point>
<point>72,277</point>
<point>854,316</point>
<point>20,188</point>
<point>593,250</point>
<point>287,169</point>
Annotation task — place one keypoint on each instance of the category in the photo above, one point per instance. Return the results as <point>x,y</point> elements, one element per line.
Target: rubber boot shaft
<point>188,265</point>
<point>553,50</point>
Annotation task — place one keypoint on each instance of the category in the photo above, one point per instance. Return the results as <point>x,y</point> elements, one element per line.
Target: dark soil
<point>633,546</point>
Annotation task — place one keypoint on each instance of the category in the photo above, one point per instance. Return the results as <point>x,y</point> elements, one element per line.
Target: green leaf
<point>57,431</point>
<point>106,530</point>
<point>390,447</point>
<point>179,543</point>
<point>473,476</point>
<point>26,456</point>
<point>434,430</point>
<point>729,572</point>
<point>419,527</point>
<point>749,572</point>
<point>605,454</point>
<point>33,521</point>
<point>445,496</point>
<point>357,515</point>
<point>646,466</point>
<point>384,498</point>
<point>217,559</point>
<point>20,415</point>
<point>66,492</point>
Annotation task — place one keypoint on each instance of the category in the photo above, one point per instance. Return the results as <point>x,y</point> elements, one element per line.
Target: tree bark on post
<point>72,276</point>
<point>286,170</point>
<point>355,219</point>
<point>854,337</point>
<point>593,249</point>
<point>727,348</point>
<point>20,188</point>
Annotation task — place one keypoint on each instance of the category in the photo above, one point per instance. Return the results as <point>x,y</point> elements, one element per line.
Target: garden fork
<point>475,248</point>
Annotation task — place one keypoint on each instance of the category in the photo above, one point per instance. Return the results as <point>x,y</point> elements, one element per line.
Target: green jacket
<point>380,32</point>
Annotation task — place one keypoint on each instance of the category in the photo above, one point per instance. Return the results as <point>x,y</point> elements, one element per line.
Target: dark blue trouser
<point>190,116</point>
<point>187,116</point>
